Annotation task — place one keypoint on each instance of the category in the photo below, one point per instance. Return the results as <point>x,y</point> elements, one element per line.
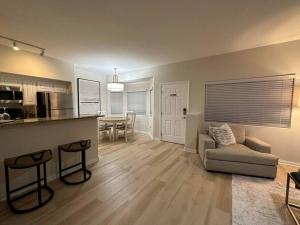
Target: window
<point>260,101</point>
<point>136,102</point>
<point>116,102</point>
<point>88,97</point>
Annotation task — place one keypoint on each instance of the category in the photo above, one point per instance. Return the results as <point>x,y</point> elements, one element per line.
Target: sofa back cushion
<point>239,132</point>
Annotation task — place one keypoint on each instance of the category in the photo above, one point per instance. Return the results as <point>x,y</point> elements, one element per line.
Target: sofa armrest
<point>205,142</point>
<point>258,145</point>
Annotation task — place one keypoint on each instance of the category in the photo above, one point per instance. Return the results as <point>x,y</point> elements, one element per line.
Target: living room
<point>198,76</point>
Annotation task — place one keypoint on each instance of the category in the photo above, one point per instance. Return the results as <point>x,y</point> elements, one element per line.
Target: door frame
<point>186,82</point>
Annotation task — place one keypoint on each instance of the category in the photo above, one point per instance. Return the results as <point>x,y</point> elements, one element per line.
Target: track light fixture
<point>16,47</point>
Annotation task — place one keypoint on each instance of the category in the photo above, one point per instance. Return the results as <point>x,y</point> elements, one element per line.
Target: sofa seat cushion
<point>241,153</point>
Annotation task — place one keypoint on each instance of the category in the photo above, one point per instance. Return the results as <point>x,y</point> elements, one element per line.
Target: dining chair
<point>105,128</point>
<point>102,113</point>
<point>128,126</point>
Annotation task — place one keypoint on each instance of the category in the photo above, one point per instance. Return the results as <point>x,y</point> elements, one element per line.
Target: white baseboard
<point>141,132</point>
<point>191,150</point>
<point>144,132</point>
<point>290,163</point>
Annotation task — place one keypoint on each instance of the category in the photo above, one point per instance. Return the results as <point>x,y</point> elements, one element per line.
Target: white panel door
<point>174,98</point>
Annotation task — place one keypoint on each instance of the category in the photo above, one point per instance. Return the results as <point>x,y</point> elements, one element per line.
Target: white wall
<point>264,61</point>
<point>91,75</point>
<point>32,64</point>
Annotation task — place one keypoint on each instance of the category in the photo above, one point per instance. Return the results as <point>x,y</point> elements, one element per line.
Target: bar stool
<point>295,176</point>
<point>79,146</point>
<point>35,159</point>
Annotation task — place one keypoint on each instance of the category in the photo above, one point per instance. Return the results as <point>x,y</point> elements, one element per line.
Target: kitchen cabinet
<point>11,81</point>
<point>59,87</point>
<point>52,86</point>
<point>31,85</point>
<point>29,92</point>
<point>1,80</point>
<point>44,86</point>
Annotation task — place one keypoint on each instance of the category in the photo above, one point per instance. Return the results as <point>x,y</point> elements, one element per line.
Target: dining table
<point>113,120</point>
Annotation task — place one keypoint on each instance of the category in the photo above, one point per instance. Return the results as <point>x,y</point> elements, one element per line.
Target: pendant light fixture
<point>115,86</point>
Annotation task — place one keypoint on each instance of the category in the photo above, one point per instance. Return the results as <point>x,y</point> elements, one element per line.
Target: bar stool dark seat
<point>295,176</point>
<point>79,146</point>
<point>35,159</point>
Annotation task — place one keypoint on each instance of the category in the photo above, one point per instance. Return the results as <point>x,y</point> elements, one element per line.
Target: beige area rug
<point>259,201</point>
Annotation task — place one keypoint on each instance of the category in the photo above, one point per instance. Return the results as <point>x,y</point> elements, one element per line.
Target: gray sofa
<point>250,156</point>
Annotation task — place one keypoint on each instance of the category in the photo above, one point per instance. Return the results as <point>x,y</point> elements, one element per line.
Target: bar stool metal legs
<point>13,164</point>
<point>81,147</point>
<point>288,204</point>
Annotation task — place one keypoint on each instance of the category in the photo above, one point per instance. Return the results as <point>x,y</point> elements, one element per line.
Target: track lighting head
<point>15,47</point>
<point>42,52</point>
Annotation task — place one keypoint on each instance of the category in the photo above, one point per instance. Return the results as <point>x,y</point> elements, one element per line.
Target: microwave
<point>11,94</point>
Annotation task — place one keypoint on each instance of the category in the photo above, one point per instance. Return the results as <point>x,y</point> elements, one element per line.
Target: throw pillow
<point>222,135</point>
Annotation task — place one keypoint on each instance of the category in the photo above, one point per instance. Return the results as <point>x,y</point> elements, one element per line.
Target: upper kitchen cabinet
<point>46,86</point>
<point>31,85</point>
<point>29,92</point>
<point>59,86</point>
<point>10,81</point>
<point>52,86</point>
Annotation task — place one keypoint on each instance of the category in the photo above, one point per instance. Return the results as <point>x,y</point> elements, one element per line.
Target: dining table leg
<point>115,131</point>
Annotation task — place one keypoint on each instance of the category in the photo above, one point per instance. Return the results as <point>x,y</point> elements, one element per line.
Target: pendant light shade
<point>115,86</point>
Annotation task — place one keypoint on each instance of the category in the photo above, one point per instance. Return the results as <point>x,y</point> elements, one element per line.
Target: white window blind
<point>136,102</point>
<point>259,101</point>
<point>116,102</point>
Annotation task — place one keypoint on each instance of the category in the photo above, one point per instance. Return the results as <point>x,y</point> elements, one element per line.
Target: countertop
<point>7,123</point>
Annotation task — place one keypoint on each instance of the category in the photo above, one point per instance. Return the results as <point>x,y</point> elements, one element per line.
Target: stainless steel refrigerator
<point>50,104</point>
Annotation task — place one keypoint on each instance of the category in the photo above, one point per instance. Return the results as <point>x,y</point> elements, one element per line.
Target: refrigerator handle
<point>48,105</point>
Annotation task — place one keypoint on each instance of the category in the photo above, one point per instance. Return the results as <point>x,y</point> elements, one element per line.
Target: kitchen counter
<point>30,135</point>
<point>7,123</point>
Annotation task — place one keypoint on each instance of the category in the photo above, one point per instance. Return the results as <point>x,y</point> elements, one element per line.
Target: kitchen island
<point>30,135</point>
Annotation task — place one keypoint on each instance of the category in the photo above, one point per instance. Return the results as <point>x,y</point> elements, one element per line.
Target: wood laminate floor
<point>143,182</point>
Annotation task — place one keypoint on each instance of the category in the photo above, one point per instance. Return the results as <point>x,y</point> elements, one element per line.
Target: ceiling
<point>135,34</point>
